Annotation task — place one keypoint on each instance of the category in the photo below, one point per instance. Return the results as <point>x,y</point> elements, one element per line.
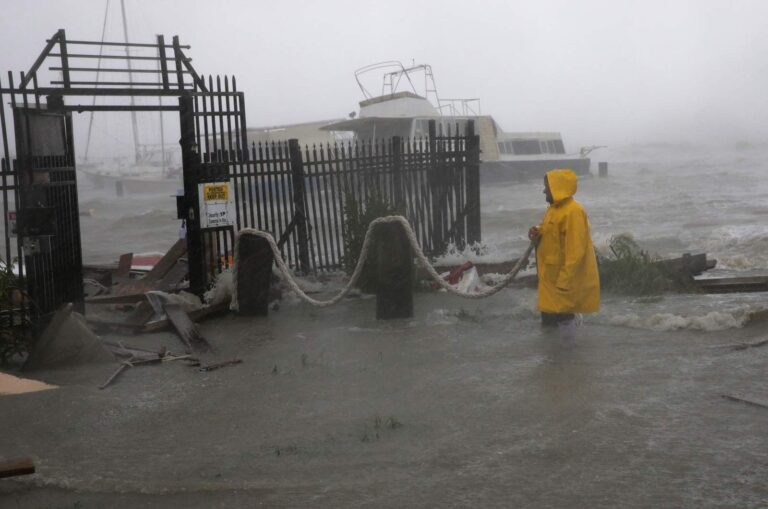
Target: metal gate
<point>40,208</point>
<point>37,170</point>
<point>48,221</point>
<point>213,140</point>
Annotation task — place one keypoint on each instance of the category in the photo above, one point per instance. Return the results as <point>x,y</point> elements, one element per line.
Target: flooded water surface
<point>468,404</point>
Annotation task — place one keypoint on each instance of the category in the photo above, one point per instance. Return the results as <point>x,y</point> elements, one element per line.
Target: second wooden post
<point>254,275</point>
<point>394,271</point>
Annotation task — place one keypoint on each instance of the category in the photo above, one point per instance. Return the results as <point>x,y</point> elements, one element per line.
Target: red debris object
<point>454,276</point>
<point>145,261</point>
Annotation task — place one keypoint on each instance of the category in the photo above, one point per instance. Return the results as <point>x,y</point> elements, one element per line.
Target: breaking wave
<point>739,247</point>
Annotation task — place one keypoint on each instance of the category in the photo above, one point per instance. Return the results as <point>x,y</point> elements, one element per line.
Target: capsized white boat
<point>405,110</point>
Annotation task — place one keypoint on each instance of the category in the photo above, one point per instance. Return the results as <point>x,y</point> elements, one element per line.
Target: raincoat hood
<point>562,184</point>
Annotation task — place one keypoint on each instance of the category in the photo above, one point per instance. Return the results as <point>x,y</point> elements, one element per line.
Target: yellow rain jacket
<point>565,258</point>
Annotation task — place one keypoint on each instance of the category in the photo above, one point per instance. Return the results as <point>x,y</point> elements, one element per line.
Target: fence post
<point>394,272</point>
<point>397,174</point>
<point>190,161</point>
<point>473,184</point>
<point>299,204</point>
<point>254,275</point>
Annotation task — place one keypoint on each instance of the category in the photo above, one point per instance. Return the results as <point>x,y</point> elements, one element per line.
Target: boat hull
<point>493,172</point>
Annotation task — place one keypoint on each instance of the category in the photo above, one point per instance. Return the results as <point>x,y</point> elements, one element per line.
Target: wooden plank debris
<point>688,264</point>
<point>743,346</point>
<point>733,284</point>
<point>158,325</point>
<point>133,298</point>
<point>739,399</point>
<point>217,365</point>
<point>196,316</point>
<point>186,329</point>
<point>124,265</point>
<point>153,278</point>
<point>16,467</point>
<point>123,366</point>
<point>136,361</point>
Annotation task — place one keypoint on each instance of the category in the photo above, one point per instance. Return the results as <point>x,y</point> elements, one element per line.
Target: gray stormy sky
<point>600,72</point>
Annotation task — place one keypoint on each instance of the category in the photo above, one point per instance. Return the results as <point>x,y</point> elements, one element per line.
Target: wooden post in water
<point>254,275</point>
<point>394,271</point>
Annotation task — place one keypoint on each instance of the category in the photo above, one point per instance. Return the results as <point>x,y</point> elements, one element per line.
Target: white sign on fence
<point>217,204</point>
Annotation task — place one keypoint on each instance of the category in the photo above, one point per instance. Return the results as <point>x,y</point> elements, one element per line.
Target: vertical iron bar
<point>211,119</point>
<point>177,56</point>
<point>338,212</point>
<point>324,169</point>
<point>64,58</point>
<point>309,205</point>
<point>163,62</point>
<point>317,210</point>
<point>271,165</point>
<point>299,204</point>
<point>233,162</point>
<point>190,165</point>
<point>473,184</point>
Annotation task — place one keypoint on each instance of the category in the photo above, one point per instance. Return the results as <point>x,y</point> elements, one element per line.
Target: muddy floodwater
<point>468,404</point>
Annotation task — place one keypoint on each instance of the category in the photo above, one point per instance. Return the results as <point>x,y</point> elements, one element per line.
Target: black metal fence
<point>299,193</point>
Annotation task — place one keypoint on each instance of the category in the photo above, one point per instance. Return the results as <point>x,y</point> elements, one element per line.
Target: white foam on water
<point>739,246</point>
<point>712,321</point>
<point>479,253</point>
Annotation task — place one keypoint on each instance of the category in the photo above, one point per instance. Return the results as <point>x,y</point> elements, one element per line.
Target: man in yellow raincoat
<point>565,258</point>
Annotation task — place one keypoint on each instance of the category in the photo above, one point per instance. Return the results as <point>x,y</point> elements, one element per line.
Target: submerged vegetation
<point>632,271</point>
<point>357,218</point>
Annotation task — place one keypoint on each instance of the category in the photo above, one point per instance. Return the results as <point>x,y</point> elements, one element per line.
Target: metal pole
<point>130,79</point>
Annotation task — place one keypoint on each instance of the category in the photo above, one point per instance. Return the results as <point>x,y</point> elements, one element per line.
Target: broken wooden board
<point>196,316</point>
<point>216,365</point>
<point>144,360</point>
<point>124,265</point>
<point>186,329</point>
<point>133,298</point>
<point>688,264</point>
<point>152,280</point>
<point>733,284</point>
<point>169,283</point>
<point>16,467</point>
<point>747,401</point>
<point>134,327</point>
<point>133,322</point>
<point>101,324</point>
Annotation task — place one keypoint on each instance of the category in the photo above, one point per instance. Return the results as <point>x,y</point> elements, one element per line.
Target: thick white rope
<point>291,281</point>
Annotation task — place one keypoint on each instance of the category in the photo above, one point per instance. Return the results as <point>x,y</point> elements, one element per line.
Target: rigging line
<point>98,70</point>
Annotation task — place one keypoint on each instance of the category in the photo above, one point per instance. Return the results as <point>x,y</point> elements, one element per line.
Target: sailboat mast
<point>130,80</point>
